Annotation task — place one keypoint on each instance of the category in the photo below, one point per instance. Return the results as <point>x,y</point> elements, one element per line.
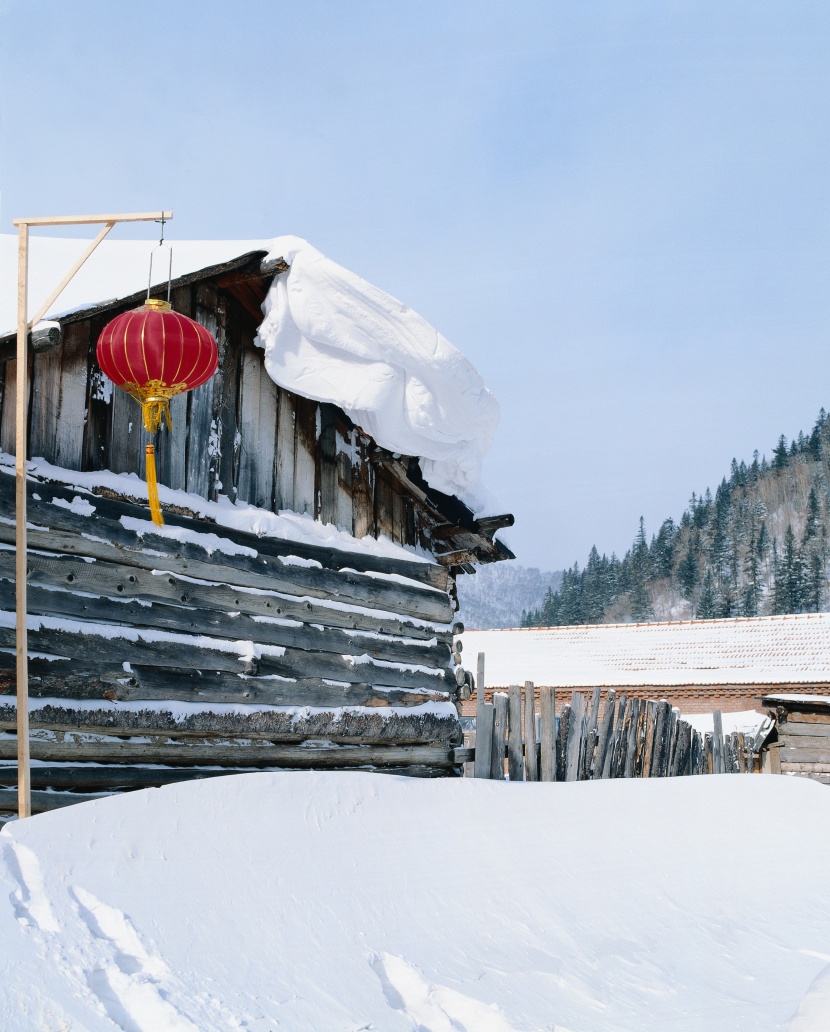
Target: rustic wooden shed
<point>158,653</point>
<point>799,742</point>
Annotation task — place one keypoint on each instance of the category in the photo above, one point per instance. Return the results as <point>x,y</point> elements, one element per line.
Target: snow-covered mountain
<point>498,594</point>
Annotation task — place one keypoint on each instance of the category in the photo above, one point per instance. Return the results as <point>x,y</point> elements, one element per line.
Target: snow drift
<point>346,902</point>
<point>331,336</point>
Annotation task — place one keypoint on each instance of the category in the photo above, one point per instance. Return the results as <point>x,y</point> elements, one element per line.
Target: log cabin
<point>295,611</point>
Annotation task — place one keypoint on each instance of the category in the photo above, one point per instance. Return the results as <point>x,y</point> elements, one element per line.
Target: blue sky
<point>619,211</point>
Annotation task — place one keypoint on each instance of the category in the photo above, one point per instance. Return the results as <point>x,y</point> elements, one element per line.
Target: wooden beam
<point>24,787</point>
<point>92,220</point>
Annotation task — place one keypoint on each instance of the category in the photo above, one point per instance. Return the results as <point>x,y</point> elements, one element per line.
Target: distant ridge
<point>499,595</point>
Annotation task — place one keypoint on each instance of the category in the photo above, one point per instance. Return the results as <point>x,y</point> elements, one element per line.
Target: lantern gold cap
<point>157,304</point>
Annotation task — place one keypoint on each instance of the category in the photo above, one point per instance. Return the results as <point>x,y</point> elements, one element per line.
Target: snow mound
<point>331,336</point>
<point>315,901</point>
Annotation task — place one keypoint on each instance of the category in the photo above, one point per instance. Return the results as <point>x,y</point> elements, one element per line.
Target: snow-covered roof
<point>760,651</point>
<point>327,334</point>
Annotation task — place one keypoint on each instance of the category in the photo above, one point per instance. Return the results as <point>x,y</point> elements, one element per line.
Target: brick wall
<point>690,698</point>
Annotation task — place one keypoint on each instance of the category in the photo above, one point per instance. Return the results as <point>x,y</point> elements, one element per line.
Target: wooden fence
<point>627,738</point>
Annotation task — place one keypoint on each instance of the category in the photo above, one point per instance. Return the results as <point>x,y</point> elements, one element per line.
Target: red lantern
<point>154,353</point>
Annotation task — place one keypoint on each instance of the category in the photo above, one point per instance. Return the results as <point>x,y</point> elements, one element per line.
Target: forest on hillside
<point>758,547</point>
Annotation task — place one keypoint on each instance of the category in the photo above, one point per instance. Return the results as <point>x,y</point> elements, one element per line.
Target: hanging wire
<point>169,264</point>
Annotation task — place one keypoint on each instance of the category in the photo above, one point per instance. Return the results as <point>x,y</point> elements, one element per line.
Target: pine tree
<point>780,454</point>
<point>707,603</point>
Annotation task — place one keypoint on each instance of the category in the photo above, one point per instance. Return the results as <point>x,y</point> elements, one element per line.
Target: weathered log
<point>234,626</point>
<point>111,510</point>
<point>245,755</point>
<point>102,578</point>
<point>78,680</point>
<point>374,725</point>
<point>609,767</point>
<point>111,541</point>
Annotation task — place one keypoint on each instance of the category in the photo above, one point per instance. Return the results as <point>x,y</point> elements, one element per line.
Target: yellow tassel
<point>154,412</point>
<point>153,487</point>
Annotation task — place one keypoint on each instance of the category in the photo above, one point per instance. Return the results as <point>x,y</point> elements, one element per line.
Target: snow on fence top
<point>327,334</point>
<point>749,651</point>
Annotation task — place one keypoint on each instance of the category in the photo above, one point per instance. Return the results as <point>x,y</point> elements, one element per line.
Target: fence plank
<point>470,765</point>
<point>642,724</point>
<point>562,734</point>
<point>610,765</point>
<point>631,739</point>
<point>717,743</point>
<point>479,690</point>
<point>484,740</point>
<point>499,733</point>
<point>589,737</point>
<point>531,755</point>
<point>547,710</point>
<point>575,734</point>
<point>697,752</point>
<point>605,731</point>
<point>648,748</point>
<point>662,742</point>
<point>515,759</point>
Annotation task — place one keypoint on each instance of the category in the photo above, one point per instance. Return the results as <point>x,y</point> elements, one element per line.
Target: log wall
<point>192,645</point>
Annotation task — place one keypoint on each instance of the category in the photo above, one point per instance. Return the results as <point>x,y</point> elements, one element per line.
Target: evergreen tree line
<point>758,547</point>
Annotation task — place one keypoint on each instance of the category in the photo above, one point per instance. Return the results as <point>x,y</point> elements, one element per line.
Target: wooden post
<point>479,686</point>
<point>484,741</point>
<point>24,787</point>
<point>609,767</point>
<point>470,766</point>
<point>605,731</point>
<point>630,751</point>
<point>562,734</point>
<point>575,736</point>
<point>662,742</point>
<point>590,735</point>
<point>697,752</point>
<point>515,761</point>
<point>24,793</point>
<point>648,748</point>
<point>548,734</point>
<point>499,734</point>
<point>717,744</point>
<point>531,756</point>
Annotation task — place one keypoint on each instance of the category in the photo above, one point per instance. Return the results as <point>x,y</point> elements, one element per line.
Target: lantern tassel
<point>153,487</point>
<point>154,412</point>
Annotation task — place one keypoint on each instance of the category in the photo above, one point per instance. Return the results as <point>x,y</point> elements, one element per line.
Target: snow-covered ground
<point>312,902</point>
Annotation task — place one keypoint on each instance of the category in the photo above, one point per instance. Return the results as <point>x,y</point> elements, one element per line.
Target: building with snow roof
<point>319,497</point>
<point>698,665</point>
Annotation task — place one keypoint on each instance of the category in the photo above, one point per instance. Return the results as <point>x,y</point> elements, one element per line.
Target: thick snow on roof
<point>764,650</point>
<point>315,902</point>
<point>327,334</point>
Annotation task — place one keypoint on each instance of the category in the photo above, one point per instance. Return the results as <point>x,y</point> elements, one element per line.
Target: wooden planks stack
<point>173,646</point>
<point>627,738</point>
